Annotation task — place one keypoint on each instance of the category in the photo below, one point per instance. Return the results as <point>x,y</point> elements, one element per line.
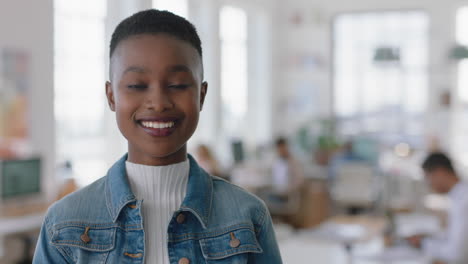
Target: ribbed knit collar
<point>145,181</point>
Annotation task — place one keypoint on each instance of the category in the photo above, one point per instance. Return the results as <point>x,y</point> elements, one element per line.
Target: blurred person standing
<point>207,161</point>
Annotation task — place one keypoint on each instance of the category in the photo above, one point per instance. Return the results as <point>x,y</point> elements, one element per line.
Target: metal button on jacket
<point>84,237</point>
<point>180,218</point>
<point>234,241</point>
<point>184,261</point>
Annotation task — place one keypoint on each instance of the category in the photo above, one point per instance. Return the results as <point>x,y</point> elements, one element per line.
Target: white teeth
<point>158,125</point>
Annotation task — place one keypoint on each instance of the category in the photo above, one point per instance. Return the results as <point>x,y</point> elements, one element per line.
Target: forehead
<point>436,172</point>
<point>154,52</point>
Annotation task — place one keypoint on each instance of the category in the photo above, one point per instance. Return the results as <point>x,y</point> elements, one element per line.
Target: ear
<point>203,91</point>
<point>110,96</point>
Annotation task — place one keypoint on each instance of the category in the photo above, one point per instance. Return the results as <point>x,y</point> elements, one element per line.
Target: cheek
<point>125,123</point>
<point>126,105</point>
<point>435,184</point>
<point>190,102</point>
<point>191,109</point>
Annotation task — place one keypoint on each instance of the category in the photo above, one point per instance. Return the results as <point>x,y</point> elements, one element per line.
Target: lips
<point>158,126</point>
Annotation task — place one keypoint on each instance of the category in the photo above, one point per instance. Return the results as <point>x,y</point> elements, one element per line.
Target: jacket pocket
<point>93,238</point>
<point>230,247</point>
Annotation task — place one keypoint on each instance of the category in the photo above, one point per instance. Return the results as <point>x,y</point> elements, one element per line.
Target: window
<point>79,65</point>
<point>462,39</point>
<point>233,35</point>
<point>179,7</point>
<point>460,127</point>
<point>380,73</point>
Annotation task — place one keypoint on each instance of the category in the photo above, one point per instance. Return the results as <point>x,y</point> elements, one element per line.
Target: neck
<point>137,157</point>
<point>452,183</point>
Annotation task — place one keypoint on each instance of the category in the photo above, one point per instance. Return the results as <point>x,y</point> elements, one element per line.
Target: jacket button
<point>133,206</point>
<point>184,261</point>
<point>84,237</point>
<point>181,219</point>
<point>235,242</point>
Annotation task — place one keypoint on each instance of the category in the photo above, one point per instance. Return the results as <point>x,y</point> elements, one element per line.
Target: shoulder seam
<point>110,208</point>
<point>262,219</point>
<point>215,178</point>
<point>47,226</point>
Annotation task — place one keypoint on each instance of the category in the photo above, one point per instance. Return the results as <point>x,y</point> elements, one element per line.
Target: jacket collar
<point>199,193</point>
<point>197,200</point>
<point>118,193</point>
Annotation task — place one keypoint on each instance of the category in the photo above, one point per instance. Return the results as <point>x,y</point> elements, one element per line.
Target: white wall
<point>314,36</point>
<point>28,25</point>
<point>258,124</point>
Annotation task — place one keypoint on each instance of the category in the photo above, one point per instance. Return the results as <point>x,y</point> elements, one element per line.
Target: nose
<point>158,99</point>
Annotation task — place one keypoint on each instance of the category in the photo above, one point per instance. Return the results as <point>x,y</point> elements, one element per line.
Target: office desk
<point>19,224</point>
<point>344,240</point>
<point>24,219</point>
<point>300,249</point>
<point>348,229</point>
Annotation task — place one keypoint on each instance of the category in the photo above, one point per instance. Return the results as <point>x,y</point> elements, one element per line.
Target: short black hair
<point>437,160</point>
<point>281,141</point>
<point>154,21</point>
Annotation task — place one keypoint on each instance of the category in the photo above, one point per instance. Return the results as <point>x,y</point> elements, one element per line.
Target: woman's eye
<point>179,86</point>
<point>137,86</point>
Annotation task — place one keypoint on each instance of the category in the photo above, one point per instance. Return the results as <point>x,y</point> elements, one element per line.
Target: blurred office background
<point>359,91</point>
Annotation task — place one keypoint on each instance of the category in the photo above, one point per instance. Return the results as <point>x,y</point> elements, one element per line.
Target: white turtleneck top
<point>162,189</point>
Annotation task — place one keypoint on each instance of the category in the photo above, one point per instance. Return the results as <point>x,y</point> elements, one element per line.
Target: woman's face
<point>157,92</point>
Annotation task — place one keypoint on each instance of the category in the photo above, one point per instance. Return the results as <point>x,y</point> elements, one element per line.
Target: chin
<point>163,152</point>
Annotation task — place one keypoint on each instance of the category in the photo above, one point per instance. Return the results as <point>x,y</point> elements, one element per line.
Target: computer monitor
<point>237,151</point>
<point>20,178</point>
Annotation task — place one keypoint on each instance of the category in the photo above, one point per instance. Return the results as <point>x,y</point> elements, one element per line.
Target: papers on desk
<point>348,229</point>
<point>414,224</point>
<point>396,255</point>
<point>338,232</point>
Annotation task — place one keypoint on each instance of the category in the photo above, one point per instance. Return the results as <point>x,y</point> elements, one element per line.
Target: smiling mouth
<point>161,128</point>
<point>157,125</point>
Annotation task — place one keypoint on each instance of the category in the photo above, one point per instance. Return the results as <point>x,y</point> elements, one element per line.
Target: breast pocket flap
<point>235,242</point>
<point>97,239</point>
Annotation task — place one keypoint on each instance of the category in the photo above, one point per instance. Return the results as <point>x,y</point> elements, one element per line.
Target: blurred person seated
<point>68,184</point>
<point>6,153</point>
<point>451,245</point>
<point>287,172</point>
<point>208,162</point>
<point>283,197</point>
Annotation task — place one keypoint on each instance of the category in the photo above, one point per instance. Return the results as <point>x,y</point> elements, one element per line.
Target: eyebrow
<point>136,69</point>
<point>179,68</point>
<point>172,69</point>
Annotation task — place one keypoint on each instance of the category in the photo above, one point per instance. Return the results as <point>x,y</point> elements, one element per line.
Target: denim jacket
<point>102,223</point>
